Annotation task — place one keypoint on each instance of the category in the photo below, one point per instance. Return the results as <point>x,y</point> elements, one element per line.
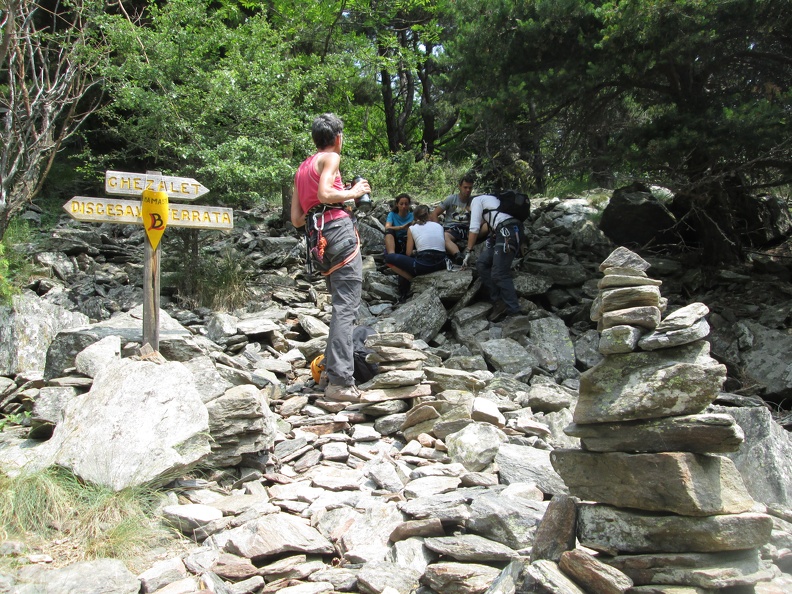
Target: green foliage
<point>670,90</point>
<point>53,503</point>
<point>16,268</point>
<point>428,180</point>
<point>218,281</point>
<point>197,96</point>
<point>20,418</point>
<point>6,286</point>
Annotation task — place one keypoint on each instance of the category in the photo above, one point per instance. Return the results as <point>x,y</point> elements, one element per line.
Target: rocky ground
<point>455,474</point>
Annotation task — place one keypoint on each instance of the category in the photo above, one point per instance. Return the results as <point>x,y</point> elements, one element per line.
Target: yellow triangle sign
<point>155,215</point>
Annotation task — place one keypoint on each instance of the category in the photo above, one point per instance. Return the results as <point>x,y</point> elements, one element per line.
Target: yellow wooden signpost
<point>155,212</point>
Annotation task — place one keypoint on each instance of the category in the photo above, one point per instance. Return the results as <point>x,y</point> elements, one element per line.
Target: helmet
<point>317,367</point>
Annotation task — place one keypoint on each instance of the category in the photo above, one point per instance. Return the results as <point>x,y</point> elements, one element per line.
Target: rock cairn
<point>656,501</point>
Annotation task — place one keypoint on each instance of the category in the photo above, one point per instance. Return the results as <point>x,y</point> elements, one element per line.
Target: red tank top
<point>306,180</point>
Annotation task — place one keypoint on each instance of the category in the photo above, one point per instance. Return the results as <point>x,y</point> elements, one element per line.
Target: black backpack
<point>364,371</point>
<point>515,204</point>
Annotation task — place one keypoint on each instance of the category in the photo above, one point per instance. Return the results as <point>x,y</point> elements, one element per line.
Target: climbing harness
<point>316,242</point>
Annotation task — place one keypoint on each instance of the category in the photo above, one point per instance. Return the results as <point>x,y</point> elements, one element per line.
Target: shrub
<point>218,281</point>
<point>16,268</point>
<point>53,503</point>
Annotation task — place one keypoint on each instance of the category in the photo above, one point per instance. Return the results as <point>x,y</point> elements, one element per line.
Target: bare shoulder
<point>329,160</point>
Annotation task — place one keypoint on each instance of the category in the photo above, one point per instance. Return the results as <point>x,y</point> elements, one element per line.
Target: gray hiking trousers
<point>345,286</point>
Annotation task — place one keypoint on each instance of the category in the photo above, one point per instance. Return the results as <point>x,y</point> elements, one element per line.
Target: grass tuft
<point>51,508</point>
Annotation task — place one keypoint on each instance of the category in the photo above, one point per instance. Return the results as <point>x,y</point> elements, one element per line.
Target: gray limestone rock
<point>50,402</point>
<point>553,335</point>
<point>703,570</point>
<point>506,355</point>
<point>684,317</point>
<point>190,517</point>
<point>375,576</point>
<point>530,285</point>
<point>100,576</point>
<point>469,548</point>
<point>421,316</point>
<point>429,486</point>
<point>99,355</point>
<point>584,568</point>
<point>523,464</point>
<point>544,395</point>
<point>611,281</point>
<point>208,381</point>
<point>613,530</point>
<point>765,457</point>
<point>587,351</point>
<point>619,339</point>
<point>677,482</point>
<point>452,379</point>
<point>506,582</point>
<point>704,433</point>
<point>367,538</point>
<point>511,521</point>
<point>176,342</point>
<point>220,327</point>
<point>449,285</point>
<point>647,317</point>
<point>448,507</point>
<point>671,338</point>
<point>475,446</point>
<point>545,576</point>
<point>140,423</point>
<point>624,258</point>
<point>459,578</point>
<point>27,329</point>
<point>161,574</point>
<point>556,533</point>
<point>412,553</point>
<point>633,386</point>
<point>240,422</point>
<point>272,535</point>
<point>622,298</point>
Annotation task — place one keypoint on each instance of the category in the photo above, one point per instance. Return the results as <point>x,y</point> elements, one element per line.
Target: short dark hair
<point>469,177</point>
<point>325,128</point>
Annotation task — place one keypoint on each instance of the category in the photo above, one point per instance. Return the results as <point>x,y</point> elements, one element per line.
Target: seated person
<point>399,220</point>
<point>425,251</point>
<point>457,218</point>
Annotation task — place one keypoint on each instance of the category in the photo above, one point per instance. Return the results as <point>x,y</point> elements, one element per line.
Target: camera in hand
<point>364,202</point>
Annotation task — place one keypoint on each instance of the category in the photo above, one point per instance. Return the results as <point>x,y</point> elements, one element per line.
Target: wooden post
<point>151,290</point>
<point>155,212</point>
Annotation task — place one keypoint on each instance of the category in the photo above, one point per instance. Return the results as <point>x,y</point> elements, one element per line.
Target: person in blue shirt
<point>396,225</point>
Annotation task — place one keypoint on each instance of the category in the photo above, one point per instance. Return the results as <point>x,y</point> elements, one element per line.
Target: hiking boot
<point>342,393</point>
<point>498,312</point>
<point>459,259</point>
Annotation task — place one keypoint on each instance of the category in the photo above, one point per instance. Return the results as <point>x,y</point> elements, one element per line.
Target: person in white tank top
<point>425,251</point>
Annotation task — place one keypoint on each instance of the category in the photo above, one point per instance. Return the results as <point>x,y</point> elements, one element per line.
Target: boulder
<point>141,423</point>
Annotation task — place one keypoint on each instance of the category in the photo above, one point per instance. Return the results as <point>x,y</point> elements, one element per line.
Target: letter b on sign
<point>155,215</point>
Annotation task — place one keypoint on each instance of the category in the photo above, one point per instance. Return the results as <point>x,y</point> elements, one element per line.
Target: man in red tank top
<point>318,184</point>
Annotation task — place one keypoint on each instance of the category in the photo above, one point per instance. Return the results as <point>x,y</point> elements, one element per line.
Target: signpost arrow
<point>109,210</point>
<point>154,211</point>
<point>132,184</point>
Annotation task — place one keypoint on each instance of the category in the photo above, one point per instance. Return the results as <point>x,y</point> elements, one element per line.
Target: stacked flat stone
<point>659,503</point>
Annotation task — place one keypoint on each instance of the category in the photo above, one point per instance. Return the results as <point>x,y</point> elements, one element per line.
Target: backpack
<point>364,371</point>
<point>515,204</point>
